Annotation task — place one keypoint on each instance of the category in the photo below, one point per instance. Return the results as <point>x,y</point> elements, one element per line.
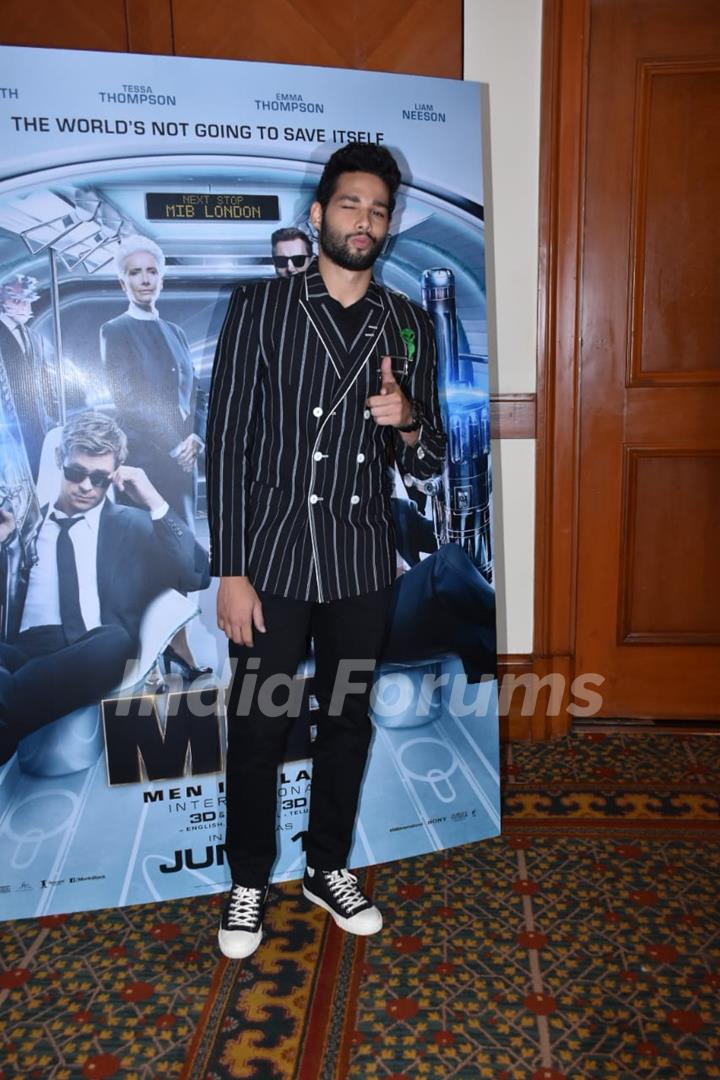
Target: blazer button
<point>360,457</point>
<point>354,499</point>
<point>317,411</point>
<point>318,456</point>
<point>366,414</point>
<point>313,499</point>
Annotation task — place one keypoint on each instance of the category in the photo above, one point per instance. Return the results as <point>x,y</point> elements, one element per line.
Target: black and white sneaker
<point>240,930</point>
<point>339,893</point>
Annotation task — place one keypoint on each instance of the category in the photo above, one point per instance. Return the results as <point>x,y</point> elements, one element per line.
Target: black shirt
<point>349,319</point>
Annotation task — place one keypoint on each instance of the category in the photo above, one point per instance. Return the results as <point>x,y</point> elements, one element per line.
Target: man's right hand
<point>7,524</point>
<point>239,610</point>
<point>134,482</point>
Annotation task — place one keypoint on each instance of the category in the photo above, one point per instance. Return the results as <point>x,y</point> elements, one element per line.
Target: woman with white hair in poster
<point>159,403</point>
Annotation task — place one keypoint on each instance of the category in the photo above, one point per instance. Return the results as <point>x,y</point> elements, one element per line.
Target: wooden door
<point>648,497</point>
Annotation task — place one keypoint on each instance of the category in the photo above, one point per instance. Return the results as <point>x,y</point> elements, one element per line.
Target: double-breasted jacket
<point>297,469</point>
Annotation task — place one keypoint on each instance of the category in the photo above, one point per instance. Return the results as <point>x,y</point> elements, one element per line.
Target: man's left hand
<point>134,483</point>
<point>390,407</point>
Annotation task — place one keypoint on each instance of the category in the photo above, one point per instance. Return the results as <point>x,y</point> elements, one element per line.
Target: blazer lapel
<point>346,363</point>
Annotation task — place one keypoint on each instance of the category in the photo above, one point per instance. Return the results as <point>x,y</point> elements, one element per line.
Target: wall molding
<point>512,416</point>
<point>537,708</point>
<point>514,726</point>
<point>566,32</point>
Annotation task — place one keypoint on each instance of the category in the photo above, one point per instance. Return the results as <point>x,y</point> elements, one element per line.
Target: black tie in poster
<point>25,338</point>
<point>70,612</point>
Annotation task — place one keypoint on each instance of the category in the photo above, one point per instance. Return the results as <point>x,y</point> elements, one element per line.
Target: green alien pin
<point>408,337</point>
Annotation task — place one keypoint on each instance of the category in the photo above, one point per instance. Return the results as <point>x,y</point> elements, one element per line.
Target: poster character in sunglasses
<point>98,567</point>
<point>291,251</point>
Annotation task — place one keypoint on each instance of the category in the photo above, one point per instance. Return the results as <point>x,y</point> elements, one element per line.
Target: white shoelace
<point>244,906</point>
<point>343,886</point>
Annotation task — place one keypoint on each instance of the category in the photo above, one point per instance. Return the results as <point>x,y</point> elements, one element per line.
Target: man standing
<point>291,251</point>
<point>27,371</point>
<point>305,407</point>
<point>98,567</point>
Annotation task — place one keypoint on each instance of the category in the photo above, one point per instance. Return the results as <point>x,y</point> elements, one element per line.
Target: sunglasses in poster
<point>76,474</point>
<point>282,262</point>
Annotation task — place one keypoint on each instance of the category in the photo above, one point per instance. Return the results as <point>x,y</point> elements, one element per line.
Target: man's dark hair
<point>359,157</point>
<point>291,234</point>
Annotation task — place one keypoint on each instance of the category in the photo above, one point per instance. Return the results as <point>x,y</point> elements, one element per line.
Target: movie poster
<point>120,800</point>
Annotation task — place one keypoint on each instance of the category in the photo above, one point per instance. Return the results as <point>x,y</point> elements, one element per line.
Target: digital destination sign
<point>187,206</point>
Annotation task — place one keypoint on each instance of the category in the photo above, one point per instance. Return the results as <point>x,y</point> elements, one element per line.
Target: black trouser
<point>43,678</point>
<point>343,630</point>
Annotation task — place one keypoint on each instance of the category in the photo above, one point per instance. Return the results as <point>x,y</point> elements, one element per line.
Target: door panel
<point>648,577</point>
<point>676,317</point>
<point>667,542</point>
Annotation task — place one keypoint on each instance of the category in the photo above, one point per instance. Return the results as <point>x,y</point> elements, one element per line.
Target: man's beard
<point>336,247</point>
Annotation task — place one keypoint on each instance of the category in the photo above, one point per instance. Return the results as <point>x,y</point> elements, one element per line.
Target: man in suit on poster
<point>306,403</point>
<point>99,565</point>
<point>28,369</point>
<point>291,251</point>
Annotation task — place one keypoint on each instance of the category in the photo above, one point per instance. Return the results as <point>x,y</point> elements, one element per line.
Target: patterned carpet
<point>111,993</point>
<point>546,956</point>
<point>583,943</point>
<point>289,1007</point>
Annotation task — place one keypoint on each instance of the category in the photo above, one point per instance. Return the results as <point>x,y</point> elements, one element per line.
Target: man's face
<point>283,249</point>
<point>17,306</point>
<point>142,280</point>
<point>79,495</point>
<point>355,221</point>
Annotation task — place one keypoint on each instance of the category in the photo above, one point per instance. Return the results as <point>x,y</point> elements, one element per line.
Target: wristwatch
<point>415,419</point>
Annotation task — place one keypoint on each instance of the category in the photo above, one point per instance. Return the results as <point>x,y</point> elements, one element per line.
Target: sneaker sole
<point>344,924</point>
<point>237,952</point>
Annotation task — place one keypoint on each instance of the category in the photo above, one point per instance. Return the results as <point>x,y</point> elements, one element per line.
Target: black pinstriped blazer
<point>298,495</point>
